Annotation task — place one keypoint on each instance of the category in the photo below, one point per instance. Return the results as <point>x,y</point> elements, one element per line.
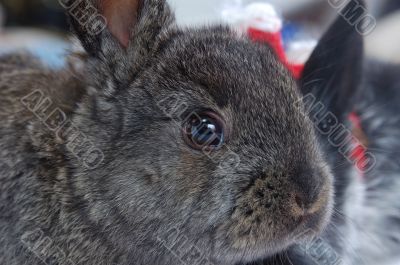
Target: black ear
<point>111,26</point>
<point>333,72</point>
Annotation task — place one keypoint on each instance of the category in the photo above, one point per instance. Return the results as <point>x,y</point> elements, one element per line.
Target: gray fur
<point>151,199</point>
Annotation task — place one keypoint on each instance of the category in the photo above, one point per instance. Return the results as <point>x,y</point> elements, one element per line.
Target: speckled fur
<point>150,182</point>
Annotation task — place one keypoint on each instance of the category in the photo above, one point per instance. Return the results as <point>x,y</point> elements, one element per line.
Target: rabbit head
<point>202,130</point>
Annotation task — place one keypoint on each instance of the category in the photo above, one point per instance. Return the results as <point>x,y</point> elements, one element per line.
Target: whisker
<point>288,258</point>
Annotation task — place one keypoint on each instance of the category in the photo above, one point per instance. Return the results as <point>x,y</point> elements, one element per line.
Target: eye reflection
<point>204,130</point>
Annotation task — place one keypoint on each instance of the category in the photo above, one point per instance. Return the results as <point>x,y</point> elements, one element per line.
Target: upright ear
<point>333,72</point>
<point>108,27</point>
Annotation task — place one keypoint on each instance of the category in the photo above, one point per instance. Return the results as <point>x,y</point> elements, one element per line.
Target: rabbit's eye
<point>204,131</point>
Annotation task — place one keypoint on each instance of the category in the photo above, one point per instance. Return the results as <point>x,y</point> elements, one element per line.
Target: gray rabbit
<point>172,145</point>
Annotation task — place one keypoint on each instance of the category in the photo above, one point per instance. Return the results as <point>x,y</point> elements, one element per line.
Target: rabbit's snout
<point>277,203</point>
<point>300,202</point>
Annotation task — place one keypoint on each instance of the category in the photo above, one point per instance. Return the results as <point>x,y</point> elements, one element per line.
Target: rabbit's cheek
<point>193,171</point>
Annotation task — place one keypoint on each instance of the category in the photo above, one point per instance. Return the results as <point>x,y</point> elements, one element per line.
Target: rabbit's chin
<point>254,247</point>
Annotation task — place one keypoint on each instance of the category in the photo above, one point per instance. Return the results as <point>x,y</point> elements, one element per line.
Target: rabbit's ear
<point>106,27</point>
<point>333,72</point>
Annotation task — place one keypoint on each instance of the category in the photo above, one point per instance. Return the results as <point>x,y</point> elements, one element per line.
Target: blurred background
<point>40,25</point>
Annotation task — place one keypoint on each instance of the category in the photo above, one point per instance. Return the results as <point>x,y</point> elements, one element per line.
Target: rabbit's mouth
<point>264,224</point>
<point>259,242</point>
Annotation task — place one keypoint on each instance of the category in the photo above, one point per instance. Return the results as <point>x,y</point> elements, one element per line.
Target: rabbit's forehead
<point>227,69</point>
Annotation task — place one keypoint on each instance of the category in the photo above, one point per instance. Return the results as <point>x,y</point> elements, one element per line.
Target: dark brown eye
<point>204,130</point>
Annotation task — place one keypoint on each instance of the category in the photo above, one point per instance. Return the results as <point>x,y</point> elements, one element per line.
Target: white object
<point>299,52</point>
<point>206,12</point>
<point>259,15</point>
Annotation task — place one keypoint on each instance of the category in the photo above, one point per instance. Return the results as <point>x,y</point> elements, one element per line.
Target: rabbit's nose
<point>304,205</point>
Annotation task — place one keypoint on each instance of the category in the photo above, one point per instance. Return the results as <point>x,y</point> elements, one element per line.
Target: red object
<point>358,154</point>
<point>274,39</point>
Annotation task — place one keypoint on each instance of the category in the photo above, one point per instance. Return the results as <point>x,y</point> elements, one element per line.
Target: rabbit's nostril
<point>299,201</point>
<point>303,204</point>
<point>299,205</point>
